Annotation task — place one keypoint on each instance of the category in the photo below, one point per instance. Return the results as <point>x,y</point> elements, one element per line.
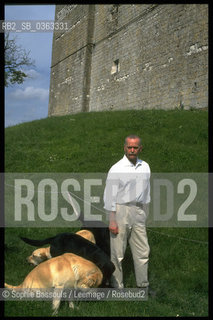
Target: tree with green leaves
<point>15,59</point>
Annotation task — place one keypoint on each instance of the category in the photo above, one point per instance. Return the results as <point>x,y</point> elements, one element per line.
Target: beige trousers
<point>131,224</point>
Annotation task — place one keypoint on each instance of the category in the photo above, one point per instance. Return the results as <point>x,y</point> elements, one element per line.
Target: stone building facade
<point>142,56</point>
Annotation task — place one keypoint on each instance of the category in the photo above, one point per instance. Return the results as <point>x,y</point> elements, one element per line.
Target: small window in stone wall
<point>115,67</point>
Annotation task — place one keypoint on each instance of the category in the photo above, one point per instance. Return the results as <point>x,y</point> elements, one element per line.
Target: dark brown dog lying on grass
<point>65,271</point>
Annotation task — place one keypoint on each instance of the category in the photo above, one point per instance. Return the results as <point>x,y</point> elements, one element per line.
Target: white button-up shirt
<point>127,184</point>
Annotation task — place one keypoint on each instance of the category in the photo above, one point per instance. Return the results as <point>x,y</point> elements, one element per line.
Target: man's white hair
<point>132,136</point>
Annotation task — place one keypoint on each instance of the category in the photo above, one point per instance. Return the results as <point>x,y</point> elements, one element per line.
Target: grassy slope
<point>174,141</point>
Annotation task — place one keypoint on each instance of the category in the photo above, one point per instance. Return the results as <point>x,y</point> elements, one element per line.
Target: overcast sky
<point>29,101</point>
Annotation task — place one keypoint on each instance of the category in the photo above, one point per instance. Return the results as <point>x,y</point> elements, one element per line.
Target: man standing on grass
<point>126,198</point>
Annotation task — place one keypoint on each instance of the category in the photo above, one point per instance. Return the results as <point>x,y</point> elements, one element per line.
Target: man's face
<point>132,148</point>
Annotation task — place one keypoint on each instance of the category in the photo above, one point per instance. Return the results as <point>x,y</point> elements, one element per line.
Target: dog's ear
<point>39,253</point>
<point>36,254</point>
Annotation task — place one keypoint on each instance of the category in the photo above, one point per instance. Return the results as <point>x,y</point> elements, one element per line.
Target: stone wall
<point>71,61</point>
<point>142,56</point>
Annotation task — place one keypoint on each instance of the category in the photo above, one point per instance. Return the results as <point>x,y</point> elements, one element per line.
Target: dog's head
<point>38,256</point>
<point>86,234</point>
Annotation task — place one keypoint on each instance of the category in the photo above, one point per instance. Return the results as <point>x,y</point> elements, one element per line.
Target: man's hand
<point>113,226</point>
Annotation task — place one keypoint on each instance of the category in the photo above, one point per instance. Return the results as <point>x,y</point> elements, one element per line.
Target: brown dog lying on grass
<point>65,271</point>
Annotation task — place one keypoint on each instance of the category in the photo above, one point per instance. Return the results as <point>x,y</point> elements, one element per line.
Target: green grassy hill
<point>174,141</point>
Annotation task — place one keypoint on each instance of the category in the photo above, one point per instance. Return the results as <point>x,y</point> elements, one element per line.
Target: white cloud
<point>30,93</point>
<point>20,99</point>
<point>32,74</point>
